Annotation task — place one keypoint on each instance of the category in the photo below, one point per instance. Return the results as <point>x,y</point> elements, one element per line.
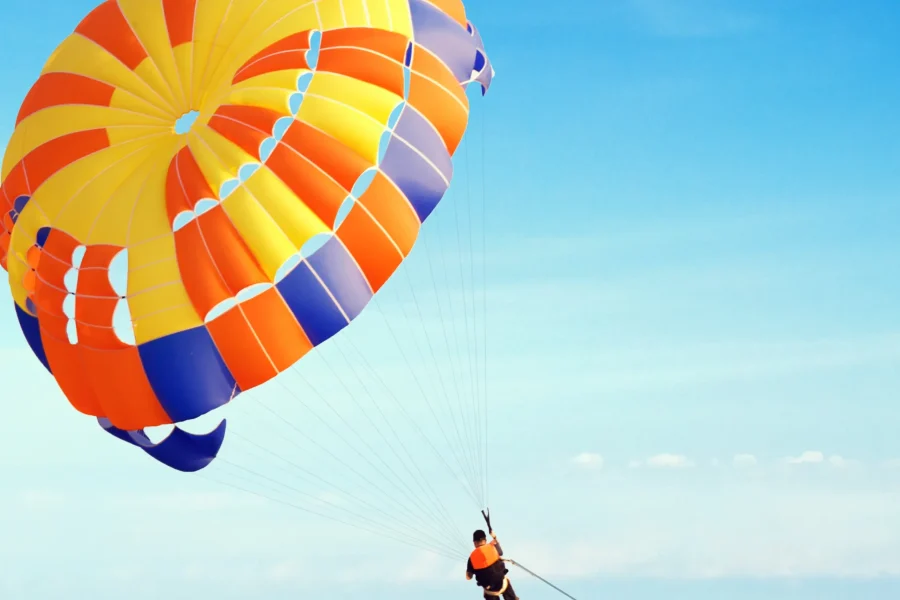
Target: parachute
<point>198,194</point>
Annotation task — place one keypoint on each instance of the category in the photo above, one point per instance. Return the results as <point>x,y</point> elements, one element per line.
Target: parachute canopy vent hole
<point>184,123</point>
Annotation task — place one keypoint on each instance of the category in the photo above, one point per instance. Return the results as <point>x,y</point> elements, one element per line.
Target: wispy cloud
<point>663,461</point>
<point>588,460</point>
<point>743,461</point>
<point>840,462</point>
<point>816,457</point>
<point>809,457</point>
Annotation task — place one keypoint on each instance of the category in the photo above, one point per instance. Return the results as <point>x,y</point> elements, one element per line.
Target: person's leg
<point>510,593</point>
<point>491,592</point>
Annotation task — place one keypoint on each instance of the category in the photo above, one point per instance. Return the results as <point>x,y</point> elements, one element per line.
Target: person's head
<point>479,538</point>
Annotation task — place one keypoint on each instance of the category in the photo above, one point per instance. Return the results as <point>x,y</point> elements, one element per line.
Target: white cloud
<point>816,457</point>
<point>838,461</point>
<point>743,461</point>
<point>808,457</point>
<point>589,460</point>
<point>669,461</point>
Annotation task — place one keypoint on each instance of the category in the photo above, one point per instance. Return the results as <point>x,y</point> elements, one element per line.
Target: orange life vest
<point>484,556</point>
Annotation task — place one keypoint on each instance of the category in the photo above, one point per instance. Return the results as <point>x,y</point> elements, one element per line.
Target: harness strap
<point>488,592</point>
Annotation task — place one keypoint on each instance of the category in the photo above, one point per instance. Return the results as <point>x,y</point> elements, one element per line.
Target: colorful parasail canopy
<point>198,192</point>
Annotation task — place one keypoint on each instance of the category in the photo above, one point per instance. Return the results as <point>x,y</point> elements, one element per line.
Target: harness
<point>499,592</point>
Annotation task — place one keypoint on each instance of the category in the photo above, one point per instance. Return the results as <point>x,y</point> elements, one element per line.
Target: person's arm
<point>496,544</point>
<point>469,569</point>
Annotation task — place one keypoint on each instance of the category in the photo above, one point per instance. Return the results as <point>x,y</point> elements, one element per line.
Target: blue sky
<point>693,340</point>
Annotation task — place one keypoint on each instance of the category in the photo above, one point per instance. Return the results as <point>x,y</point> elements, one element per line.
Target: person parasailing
<point>486,565</point>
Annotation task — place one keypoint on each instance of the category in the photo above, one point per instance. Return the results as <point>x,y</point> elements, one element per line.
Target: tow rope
<point>535,575</point>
